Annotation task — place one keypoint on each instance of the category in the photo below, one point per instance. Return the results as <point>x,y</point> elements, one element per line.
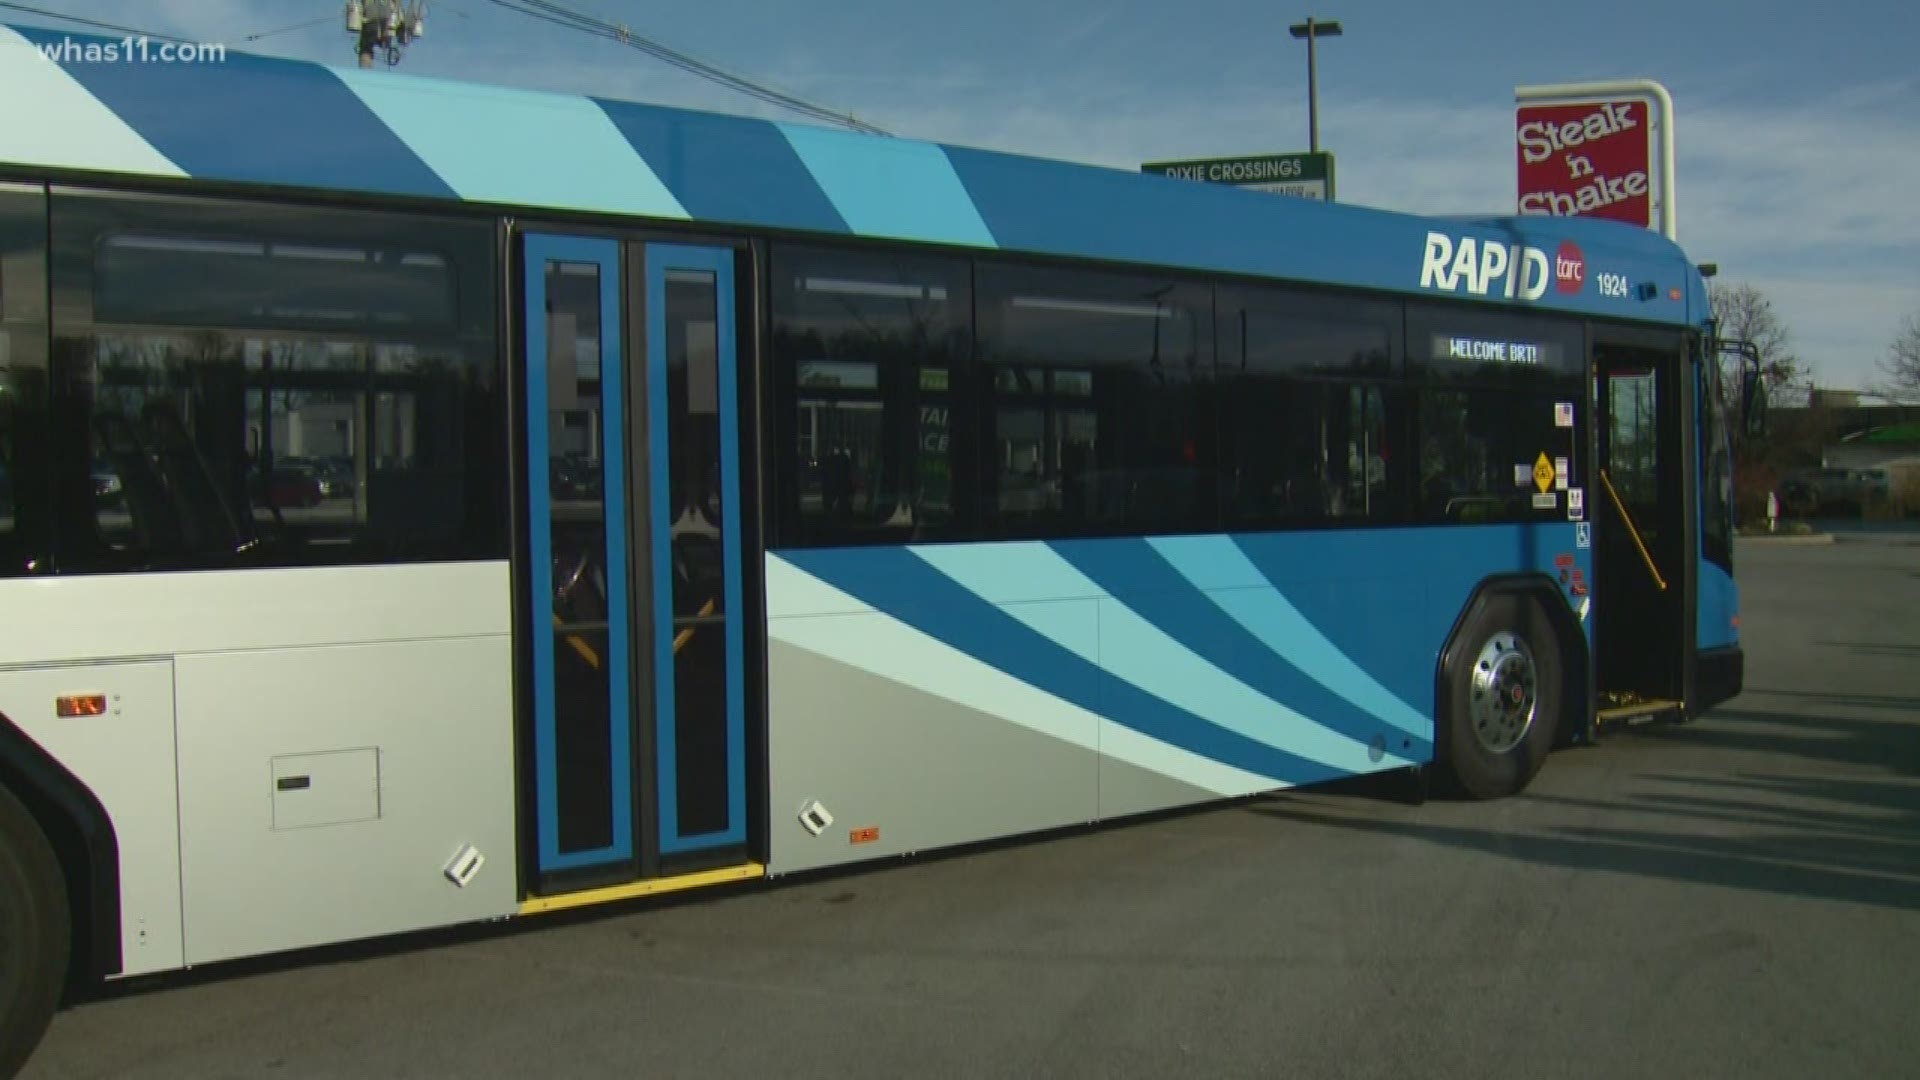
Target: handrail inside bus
<point>680,639</point>
<point>1633,531</point>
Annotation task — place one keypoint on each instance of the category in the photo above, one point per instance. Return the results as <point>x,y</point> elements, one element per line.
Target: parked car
<point>1831,490</point>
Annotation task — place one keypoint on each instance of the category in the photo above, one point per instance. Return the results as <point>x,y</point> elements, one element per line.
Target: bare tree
<point>1746,314</point>
<point>1902,364</point>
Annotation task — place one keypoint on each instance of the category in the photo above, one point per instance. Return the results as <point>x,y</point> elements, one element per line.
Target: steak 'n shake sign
<point>1587,159</point>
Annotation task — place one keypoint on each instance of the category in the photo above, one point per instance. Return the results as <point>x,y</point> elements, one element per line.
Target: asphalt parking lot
<point>1735,897</point>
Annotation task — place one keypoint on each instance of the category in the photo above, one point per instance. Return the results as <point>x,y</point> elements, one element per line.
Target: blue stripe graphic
<point>727,168</point>
<point>249,118</point>
<point>899,583</point>
<point>1267,616</point>
<point>1166,661</point>
<point>1135,573</point>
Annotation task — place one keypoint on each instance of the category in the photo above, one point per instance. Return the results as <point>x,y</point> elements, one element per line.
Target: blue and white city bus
<point>428,503</point>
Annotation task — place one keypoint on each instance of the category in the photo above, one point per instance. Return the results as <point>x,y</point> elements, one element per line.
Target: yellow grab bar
<point>1633,531</point>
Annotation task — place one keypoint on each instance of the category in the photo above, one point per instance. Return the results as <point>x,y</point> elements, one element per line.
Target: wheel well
<point>1576,715</point>
<point>82,837</point>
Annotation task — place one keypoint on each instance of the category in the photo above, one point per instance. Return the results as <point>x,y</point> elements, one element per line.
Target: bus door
<point>1640,525</point>
<point>632,576</point>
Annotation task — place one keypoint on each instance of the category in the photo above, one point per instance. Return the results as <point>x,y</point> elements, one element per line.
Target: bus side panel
<point>124,755</point>
<point>325,789</point>
<point>894,731</point>
<point>983,678</point>
<point>338,733</point>
<point>1719,608</point>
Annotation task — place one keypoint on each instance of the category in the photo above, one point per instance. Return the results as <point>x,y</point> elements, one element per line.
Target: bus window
<point>1304,408</point>
<point>273,386</point>
<point>1099,415</point>
<point>1633,437</point>
<point>1500,396</point>
<point>1716,491</point>
<point>23,349</point>
<point>867,346</point>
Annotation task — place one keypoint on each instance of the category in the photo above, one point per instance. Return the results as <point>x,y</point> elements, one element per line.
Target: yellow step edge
<point>1644,708</point>
<point>612,893</point>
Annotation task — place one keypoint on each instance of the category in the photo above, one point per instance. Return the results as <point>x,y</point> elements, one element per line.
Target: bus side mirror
<point>1753,403</point>
<point>1753,386</point>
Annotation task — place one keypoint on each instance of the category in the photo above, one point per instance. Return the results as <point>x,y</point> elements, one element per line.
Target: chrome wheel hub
<point>1505,693</point>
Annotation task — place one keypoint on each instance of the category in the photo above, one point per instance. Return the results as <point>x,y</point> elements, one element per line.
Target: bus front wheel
<point>34,933</point>
<point>1504,689</point>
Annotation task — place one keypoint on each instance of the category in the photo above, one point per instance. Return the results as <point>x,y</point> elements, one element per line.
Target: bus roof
<point>296,124</point>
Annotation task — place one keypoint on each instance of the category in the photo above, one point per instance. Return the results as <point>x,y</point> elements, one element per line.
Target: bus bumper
<point>1718,675</point>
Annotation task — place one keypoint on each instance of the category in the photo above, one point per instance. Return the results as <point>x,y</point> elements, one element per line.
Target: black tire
<point>1504,688</point>
<point>35,932</point>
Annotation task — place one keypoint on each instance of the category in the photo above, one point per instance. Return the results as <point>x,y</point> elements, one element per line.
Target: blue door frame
<point>542,252</point>
<point>636,463</point>
<point>663,260</point>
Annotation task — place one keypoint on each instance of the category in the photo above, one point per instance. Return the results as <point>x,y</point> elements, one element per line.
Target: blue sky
<point>1798,127</point>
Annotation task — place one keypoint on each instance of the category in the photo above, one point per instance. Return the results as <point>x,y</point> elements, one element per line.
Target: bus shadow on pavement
<point>1882,742</point>
<point>1847,829</point>
<point>1865,862</point>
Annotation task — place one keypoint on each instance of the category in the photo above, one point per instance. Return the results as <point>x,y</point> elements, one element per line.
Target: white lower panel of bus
<point>125,755</point>
<point>323,791</point>
<point>337,735</point>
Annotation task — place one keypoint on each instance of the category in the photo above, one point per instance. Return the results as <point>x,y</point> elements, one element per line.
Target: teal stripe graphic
<point>518,148</point>
<point>1267,615</point>
<point>1134,650</point>
<point>890,187</point>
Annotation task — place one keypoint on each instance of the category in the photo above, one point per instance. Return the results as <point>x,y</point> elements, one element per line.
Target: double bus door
<point>632,586</point>
<point>1641,535</point>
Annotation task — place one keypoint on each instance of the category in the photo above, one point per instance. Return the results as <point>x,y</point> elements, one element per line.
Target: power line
<point>289,29</point>
<point>555,13</point>
<point>621,34</point>
<point>94,23</point>
<point>568,19</point>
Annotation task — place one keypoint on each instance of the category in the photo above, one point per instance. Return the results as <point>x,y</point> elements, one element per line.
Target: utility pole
<point>1312,30</point>
<point>389,25</point>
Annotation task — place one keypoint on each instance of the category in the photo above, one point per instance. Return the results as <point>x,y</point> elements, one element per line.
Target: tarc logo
<point>1569,268</point>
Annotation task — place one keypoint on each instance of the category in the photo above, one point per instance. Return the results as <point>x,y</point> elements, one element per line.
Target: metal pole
<point>1313,93</point>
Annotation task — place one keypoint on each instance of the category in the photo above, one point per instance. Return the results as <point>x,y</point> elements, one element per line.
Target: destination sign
<point>1495,350</point>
